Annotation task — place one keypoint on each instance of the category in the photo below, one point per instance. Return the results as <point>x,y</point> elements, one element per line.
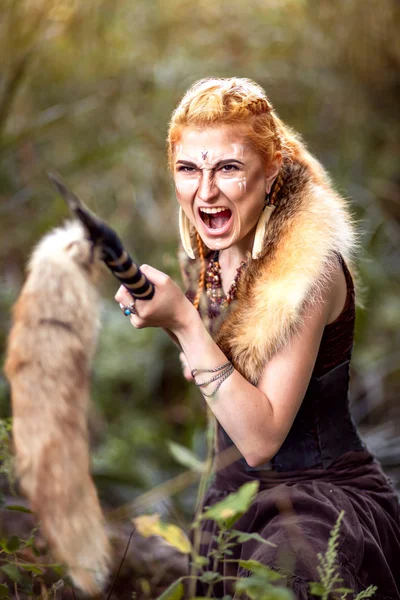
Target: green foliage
<point>227,511</point>
<point>327,568</point>
<point>184,457</point>
<point>6,459</point>
<point>328,571</point>
<point>23,573</point>
<point>262,582</point>
<point>368,593</point>
<point>3,590</point>
<point>174,592</point>
<point>242,537</point>
<point>18,508</point>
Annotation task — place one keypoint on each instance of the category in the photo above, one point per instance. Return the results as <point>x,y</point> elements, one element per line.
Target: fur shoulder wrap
<point>309,227</point>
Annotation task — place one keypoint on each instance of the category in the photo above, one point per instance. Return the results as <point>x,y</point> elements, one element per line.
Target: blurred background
<point>87,89</point>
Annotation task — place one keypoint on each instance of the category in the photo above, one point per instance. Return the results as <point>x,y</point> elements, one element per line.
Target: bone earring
<point>261,228</point>
<point>184,230</point>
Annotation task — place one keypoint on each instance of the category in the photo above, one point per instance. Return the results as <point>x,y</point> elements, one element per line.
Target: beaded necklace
<point>214,290</point>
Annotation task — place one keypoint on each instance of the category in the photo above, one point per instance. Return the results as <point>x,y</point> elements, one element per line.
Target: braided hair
<point>202,276</point>
<point>239,102</point>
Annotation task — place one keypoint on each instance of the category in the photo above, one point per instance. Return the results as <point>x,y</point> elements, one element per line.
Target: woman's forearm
<point>244,411</point>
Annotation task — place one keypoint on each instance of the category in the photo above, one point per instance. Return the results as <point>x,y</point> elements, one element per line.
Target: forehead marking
<point>204,153</point>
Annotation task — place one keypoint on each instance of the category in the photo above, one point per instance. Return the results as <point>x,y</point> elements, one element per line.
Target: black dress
<point>322,468</point>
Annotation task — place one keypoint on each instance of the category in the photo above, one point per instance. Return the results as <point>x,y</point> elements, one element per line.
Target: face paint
<point>204,154</point>
<point>220,183</point>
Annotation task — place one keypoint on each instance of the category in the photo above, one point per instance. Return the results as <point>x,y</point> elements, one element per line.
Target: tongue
<point>218,220</point>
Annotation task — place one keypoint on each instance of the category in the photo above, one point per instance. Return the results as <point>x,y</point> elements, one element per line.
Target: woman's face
<point>221,184</point>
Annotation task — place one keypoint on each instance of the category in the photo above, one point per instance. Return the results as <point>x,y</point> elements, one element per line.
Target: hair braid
<point>259,106</point>
<point>202,275</point>
<point>277,187</point>
<point>234,101</point>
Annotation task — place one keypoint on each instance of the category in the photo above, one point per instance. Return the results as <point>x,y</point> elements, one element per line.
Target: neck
<point>235,255</point>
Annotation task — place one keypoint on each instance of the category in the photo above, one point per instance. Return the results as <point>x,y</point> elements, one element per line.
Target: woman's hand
<point>169,308</point>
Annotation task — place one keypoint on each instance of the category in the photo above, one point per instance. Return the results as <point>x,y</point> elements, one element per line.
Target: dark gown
<point>322,468</point>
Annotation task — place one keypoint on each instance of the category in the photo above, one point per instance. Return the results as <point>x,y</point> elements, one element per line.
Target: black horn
<point>117,259</point>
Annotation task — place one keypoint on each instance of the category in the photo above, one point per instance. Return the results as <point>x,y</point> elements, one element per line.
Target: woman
<point>266,329</point>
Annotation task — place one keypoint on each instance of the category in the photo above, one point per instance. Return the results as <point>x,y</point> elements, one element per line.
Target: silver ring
<point>128,310</point>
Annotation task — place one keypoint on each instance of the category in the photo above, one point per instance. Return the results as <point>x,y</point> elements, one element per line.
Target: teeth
<point>212,211</point>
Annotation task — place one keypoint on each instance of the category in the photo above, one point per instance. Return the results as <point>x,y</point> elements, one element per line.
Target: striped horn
<point>117,259</point>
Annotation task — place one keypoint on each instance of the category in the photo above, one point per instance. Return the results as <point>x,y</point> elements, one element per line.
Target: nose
<point>208,189</point>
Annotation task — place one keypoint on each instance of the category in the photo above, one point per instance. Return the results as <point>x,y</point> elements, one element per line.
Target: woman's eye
<point>186,169</point>
<point>229,168</point>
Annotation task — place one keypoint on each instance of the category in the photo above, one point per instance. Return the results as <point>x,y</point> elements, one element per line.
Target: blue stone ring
<point>128,310</point>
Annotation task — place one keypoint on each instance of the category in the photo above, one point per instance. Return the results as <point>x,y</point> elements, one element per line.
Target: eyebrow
<point>220,163</point>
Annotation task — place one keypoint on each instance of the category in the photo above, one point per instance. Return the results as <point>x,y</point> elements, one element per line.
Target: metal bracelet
<point>224,376</point>
<point>215,378</point>
<point>214,370</point>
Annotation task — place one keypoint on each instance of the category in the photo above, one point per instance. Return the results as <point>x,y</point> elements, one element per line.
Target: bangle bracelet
<point>224,376</point>
<point>222,373</point>
<point>215,378</point>
<point>214,370</point>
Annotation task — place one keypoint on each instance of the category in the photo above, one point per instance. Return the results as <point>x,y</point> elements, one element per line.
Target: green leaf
<point>260,570</point>
<point>257,588</point>
<point>3,591</point>
<point>13,543</point>
<point>32,568</point>
<point>201,561</point>
<point>12,572</point>
<point>18,508</point>
<point>174,592</point>
<point>253,587</point>
<point>58,570</point>
<point>317,589</point>
<point>281,593</point>
<point>244,537</point>
<point>148,525</point>
<point>228,511</point>
<point>210,576</point>
<point>370,591</point>
<point>185,457</point>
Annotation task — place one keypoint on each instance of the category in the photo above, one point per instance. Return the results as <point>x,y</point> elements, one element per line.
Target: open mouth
<point>215,218</point>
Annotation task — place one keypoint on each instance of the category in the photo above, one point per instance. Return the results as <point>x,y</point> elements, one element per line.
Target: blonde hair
<point>239,101</point>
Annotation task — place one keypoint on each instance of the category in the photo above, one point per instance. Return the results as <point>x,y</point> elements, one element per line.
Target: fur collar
<point>310,225</point>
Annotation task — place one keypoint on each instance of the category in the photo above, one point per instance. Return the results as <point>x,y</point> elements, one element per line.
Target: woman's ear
<point>271,171</point>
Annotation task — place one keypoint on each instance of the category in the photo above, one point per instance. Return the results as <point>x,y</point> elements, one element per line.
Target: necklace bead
<point>218,299</point>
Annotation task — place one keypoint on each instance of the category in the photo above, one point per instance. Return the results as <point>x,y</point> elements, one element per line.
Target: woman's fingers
<point>157,277</point>
<point>123,296</point>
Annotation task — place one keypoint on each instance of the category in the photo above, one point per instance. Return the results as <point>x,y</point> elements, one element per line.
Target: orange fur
<point>50,348</point>
<point>309,225</point>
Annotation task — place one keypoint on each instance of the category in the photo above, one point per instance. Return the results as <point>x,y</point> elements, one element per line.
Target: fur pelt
<point>309,227</point>
<point>51,344</point>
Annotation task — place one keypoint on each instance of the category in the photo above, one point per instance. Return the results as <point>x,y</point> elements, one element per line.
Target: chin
<point>217,244</point>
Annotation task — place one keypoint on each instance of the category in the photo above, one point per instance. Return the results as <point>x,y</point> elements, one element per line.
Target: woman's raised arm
<point>257,419</point>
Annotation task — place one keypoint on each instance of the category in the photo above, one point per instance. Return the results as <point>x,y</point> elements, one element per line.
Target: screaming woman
<point>266,331</point>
